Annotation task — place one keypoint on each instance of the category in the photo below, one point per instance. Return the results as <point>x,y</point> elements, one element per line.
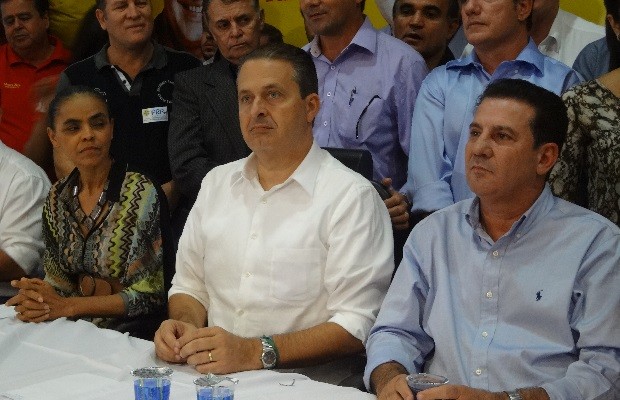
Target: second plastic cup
<point>213,387</point>
<point>422,381</point>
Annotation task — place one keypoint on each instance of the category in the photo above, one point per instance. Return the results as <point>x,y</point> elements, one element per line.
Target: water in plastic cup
<point>215,393</point>
<point>214,387</point>
<point>151,389</point>
<point>422,381</point>
<point>151,383</point>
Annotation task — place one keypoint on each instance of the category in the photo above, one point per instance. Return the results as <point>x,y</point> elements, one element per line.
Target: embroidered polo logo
<point>164,91</point>
<point>539,295</point>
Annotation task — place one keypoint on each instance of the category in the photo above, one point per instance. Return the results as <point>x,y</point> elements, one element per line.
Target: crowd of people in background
<point>170,176</point>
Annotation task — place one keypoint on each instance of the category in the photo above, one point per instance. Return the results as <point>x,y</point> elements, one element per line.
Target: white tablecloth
<point>75,360</point>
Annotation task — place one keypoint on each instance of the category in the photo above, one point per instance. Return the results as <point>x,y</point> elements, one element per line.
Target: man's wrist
<point>383,374</point>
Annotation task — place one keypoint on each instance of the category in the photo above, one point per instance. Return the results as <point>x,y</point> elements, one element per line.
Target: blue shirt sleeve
<point>429,170</point>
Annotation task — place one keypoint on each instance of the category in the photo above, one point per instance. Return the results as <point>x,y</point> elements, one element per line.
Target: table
<point>63,359</point>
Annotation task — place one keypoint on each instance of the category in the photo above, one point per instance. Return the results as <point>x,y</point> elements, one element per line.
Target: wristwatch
<point>514,395</point>
<point>270,352</point>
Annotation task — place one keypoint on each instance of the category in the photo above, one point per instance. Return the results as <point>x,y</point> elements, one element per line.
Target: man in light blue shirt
<point>498,30</point>
<point>513,294</point>
<point>368,82</point>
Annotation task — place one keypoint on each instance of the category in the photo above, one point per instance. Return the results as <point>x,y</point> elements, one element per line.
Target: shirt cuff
<point>198,296</point>
<point>387,347</point>
<point>357,326</point>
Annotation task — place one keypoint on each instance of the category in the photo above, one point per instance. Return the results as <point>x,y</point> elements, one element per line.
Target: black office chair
<point>360,161</point>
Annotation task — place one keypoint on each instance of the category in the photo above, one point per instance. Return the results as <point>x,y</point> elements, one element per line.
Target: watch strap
<point>269,345</point>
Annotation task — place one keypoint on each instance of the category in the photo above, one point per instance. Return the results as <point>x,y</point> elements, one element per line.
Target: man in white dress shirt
<point>287,254</point>
<point>560,34</point>
<point>23,189</point>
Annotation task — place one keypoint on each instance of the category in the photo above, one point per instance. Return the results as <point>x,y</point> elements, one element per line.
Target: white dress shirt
<point>23,189</point>
<point>568,35</point>
<point>313,249</point>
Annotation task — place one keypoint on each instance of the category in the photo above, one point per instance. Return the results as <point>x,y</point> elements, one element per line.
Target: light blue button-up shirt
<point>367,96</point>
<point>445,108</point>
<point>538,307</point>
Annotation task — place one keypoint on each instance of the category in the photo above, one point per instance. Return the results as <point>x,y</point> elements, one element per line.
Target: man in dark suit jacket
<point>204,126</point>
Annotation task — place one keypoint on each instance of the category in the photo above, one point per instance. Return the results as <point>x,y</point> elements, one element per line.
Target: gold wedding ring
<point>210,357</point>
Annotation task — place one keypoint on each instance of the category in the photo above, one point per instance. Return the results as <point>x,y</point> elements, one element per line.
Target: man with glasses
<point>499,32</point>
<point>204,126</point>
<point>368,82</point>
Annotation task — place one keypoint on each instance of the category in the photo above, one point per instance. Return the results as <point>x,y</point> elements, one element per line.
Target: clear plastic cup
<point>151,383</point>
<point>422,381</point>
<point>214,387</point>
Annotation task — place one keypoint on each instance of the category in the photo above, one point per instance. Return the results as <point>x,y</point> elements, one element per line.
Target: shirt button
<point>489,294</point>
<point>248,274</point>
<point>478,372</point>
<point>325,123</point>
<point>495,253</point>
<point>333,67</point>
<point>253,236</point>
<point>484,334</point>
<point>239,312</point>
<point>264,201</point>
<point>329,94</point>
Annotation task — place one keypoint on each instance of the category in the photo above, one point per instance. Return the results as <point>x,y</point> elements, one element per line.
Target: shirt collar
<point>529,55</point>
<point>366,38</point>
<point>305,174</point>
<point>159,59</point>
<point>521,226</point>
<point>554,38</point>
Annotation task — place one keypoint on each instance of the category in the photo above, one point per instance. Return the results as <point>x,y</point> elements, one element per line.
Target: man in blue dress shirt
<point>513,294</point>
<point>498,30</point>
<point>368,82</point>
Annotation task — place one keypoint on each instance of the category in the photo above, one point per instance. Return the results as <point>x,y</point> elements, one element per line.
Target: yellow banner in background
<point>592,10</point>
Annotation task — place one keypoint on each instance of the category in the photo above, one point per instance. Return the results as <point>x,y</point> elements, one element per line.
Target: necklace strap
<point>89,220</point>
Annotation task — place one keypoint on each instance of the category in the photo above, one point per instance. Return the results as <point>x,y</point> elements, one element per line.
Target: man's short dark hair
<point>550,122</point>
<point>453,12</point>
<point>304,72</point>
<point>273,34</point>
<point>205,4</point>
<point>42,6</point>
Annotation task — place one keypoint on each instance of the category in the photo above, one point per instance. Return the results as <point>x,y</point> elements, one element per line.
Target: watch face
<point>269,358</point>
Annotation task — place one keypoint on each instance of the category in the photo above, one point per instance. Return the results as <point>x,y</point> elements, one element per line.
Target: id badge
<point>155,114</point>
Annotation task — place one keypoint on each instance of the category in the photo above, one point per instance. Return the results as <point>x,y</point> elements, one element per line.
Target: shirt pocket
<point>361,118</point>
<point>295,274</point>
